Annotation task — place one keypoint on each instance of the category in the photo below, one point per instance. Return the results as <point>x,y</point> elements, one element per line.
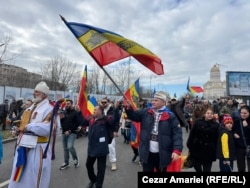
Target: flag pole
<point>113,82</point>
<point>65,22</point>
<point>124,96</point>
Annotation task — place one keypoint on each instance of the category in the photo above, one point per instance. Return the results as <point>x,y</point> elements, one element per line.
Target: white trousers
<point>112,152</point>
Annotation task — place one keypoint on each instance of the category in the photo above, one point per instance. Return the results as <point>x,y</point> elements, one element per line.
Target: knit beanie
<point>227,119</point>
<point>42,87</point>
<point>161,95</point>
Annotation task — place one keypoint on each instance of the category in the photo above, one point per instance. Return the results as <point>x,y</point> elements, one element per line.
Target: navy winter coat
<point>169,134</point>
<point>100,132</point>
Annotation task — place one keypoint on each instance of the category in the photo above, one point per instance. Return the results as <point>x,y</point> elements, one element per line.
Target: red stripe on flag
<point>108,53</point>
<point>17,174</point>
<point>151,62</point>
<point>196,89</point>
<point>83,96</point>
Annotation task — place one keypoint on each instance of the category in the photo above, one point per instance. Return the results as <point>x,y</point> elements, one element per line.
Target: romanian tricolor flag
<point>132,94</point>
<point>83,95</point>
<point>194,89</point>
<point>86,103</point>
<point>20,164</point>
<point>92,103</point>
<point>106,47</point>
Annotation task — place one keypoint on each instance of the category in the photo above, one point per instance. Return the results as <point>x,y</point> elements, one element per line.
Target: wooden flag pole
<point>113,82</point>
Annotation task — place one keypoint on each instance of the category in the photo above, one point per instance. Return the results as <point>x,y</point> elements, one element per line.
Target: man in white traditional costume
<point>32,159</point>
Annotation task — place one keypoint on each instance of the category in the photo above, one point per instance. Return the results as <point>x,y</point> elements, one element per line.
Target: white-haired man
<point>30,168</point>
<point>160,134</point>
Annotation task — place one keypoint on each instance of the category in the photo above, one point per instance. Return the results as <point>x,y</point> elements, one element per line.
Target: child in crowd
<point>225,147</point>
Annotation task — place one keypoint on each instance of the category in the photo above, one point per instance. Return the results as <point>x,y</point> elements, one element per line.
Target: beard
<point>37,99</point>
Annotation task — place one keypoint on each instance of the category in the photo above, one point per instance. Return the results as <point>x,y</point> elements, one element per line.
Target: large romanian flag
<point>194,89</point>
<point>106,47</point>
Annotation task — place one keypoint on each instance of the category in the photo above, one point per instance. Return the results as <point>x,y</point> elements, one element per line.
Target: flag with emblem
<point>106,47</point>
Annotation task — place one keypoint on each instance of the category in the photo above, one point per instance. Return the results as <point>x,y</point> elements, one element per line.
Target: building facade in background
<point>18,78</point>
<point>214,88</point>
<point>14,76</point>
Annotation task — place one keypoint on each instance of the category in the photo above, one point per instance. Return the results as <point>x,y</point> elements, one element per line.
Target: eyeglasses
<point>104,102</point>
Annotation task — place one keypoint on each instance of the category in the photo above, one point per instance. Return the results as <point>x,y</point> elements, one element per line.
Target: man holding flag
<point>101,128</point>
<point>132,94</point>
<point>160,134</point>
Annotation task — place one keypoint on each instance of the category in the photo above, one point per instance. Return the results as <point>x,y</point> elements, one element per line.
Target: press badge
<point>102,139</point>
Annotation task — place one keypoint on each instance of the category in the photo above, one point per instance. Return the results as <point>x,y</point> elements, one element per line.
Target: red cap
<point>227,119</point>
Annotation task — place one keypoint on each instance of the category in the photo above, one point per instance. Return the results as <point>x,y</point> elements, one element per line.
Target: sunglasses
<point>104,102</point>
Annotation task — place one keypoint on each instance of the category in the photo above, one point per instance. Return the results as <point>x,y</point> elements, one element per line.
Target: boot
<point>134,158</point>
<point>113,166</point>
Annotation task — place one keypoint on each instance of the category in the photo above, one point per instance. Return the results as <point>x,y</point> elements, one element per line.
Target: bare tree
<point>122,74</point>
<point>61,70</point>
<point>5,53</point>
<point>93,80</point>
<point>104,84</point>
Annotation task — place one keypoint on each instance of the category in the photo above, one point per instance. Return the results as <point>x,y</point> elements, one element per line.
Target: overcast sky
<point>189,36</point>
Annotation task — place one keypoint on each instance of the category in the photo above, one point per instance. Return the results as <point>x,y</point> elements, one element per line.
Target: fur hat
<point>161,95</point>
<point>42,87</point>
<point>227,119</point>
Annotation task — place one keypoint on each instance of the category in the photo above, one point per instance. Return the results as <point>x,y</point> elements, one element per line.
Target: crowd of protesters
<point>217,130</point>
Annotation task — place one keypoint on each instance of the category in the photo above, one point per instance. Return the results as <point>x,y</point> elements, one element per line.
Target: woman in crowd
<point>202,142</point>
<point>241,130</point>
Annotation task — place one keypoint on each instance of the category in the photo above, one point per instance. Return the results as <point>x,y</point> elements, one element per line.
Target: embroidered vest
<point>25,119</point>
